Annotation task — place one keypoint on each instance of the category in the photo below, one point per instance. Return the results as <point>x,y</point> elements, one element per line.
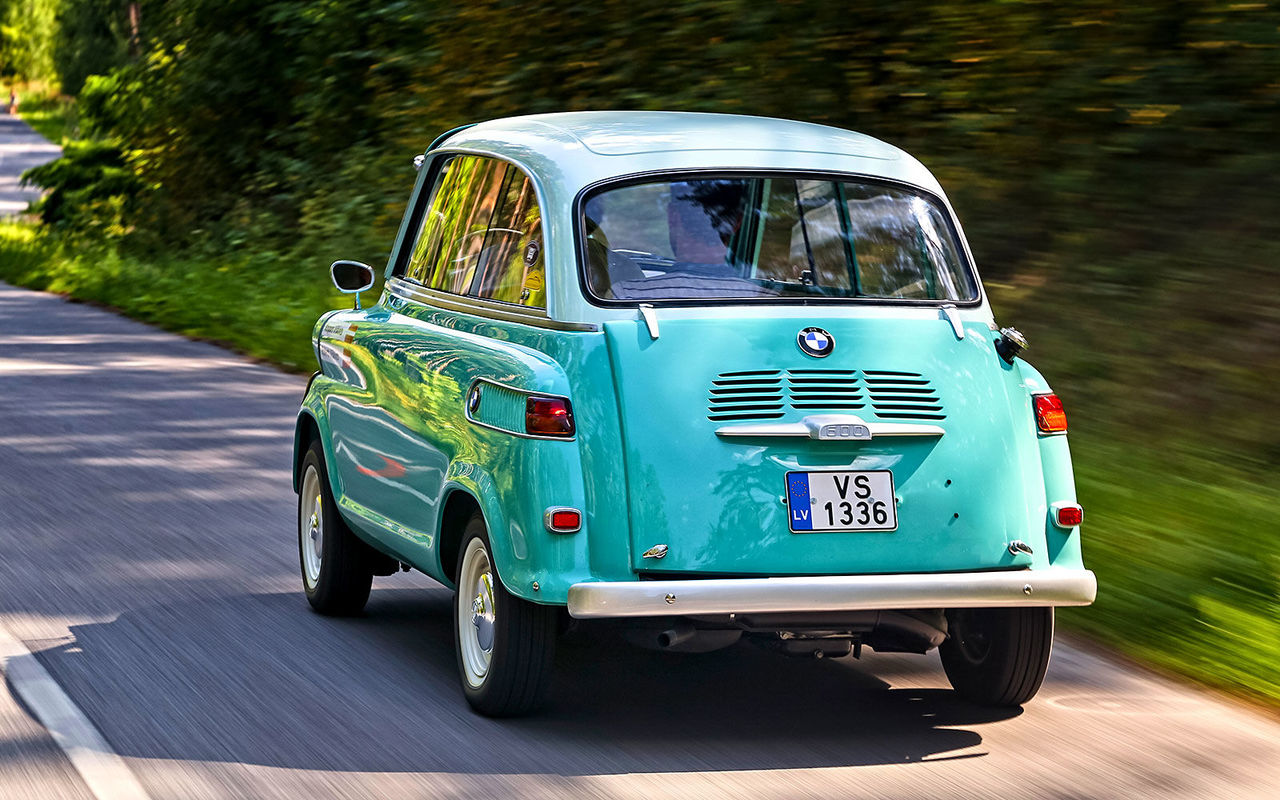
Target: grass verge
<point>52,115</point>
<point>1181,536</point>
<point>260,304</point>
<point>1182,540</point>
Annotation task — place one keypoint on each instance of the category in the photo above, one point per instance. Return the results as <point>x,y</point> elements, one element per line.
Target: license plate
<point>841,501</point>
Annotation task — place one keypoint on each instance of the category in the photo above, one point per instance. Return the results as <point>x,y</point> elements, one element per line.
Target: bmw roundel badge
<point>816,342</point>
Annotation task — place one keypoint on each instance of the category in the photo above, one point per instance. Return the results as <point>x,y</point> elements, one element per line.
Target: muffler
<point>679,634</point>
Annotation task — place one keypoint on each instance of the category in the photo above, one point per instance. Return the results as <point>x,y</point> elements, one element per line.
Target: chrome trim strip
<point>650,318</point>
<point>466,411</point>
<point>1047,587</point>
<point>491,309</point>
<point>953,316</point>
<point>904,429</point>
<point>814,425</point>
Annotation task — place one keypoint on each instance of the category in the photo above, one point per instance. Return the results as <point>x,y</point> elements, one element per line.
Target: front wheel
<point>505,645</point>
<point>997,656</point>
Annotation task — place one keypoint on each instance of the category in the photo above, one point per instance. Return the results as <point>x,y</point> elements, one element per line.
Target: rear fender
<point>525,554</point>
<point>1059,478</point>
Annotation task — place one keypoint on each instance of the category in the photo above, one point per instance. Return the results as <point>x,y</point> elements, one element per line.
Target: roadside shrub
<point>90,190</point>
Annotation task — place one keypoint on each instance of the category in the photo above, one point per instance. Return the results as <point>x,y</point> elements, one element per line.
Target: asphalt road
<point>148,559</point>
<point>20,149</point>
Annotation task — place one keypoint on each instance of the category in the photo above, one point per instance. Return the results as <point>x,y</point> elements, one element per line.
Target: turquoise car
<point>701,377</point>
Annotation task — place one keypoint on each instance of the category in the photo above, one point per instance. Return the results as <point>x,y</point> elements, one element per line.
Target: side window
<point>481,234</point>
<point>511,266</point>
<point>427,241</point>
<point>455,223</point>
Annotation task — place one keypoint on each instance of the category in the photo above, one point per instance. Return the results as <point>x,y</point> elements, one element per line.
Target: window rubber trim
<point>493,310</point>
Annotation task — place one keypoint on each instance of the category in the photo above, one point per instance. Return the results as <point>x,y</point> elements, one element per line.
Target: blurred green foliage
<point>54,116</point>
<point>259,303</point>
<point>1183,541</point>
<point>1114,165</point>
<point>28,29</point>
<point>91,188</point>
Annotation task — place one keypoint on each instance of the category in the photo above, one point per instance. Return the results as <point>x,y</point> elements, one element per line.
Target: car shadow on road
<point>260,679</point>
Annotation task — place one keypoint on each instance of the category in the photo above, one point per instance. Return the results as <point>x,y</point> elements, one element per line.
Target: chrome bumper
<point>1047,587</point>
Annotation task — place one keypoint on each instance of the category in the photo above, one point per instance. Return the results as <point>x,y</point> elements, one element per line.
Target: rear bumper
<point>1048,587</point>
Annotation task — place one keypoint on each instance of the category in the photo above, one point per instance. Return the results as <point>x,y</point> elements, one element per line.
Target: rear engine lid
<point>723,420</point>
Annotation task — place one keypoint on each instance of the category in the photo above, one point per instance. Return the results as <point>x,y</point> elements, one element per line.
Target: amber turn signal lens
<point>1070,516</point>
<point>1050,417</point>
<point>548,416</point>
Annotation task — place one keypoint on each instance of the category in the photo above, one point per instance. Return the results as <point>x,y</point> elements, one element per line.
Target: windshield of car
<point>736,238</point>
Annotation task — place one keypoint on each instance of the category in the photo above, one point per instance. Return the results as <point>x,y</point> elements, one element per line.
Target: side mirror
<point>351,277</point>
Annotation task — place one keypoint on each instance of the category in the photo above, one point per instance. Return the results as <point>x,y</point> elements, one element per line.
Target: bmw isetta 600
<point>708,377</point>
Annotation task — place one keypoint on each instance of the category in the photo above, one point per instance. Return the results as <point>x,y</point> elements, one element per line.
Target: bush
<point>90,189</point>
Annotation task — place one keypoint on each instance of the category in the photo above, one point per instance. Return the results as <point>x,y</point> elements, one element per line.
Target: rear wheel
<point>997,656</point>
<point>336,566</point>
<point>504,644</point>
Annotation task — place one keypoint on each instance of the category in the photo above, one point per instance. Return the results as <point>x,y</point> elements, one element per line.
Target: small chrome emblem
<point>816,342</point>
<point>854,432</point>
<point>531,252</point>
<point>657,551</point>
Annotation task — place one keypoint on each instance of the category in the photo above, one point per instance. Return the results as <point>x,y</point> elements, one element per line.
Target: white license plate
<point>841,501</point>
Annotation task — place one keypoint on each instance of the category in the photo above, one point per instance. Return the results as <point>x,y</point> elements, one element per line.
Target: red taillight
<point>548,416</point>
<point>563,520</point>
<point>1069,516</point>
<point>1050,417</point>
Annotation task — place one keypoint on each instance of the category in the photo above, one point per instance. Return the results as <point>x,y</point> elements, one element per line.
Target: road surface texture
<point>148,560</point>
<point>20,149</point>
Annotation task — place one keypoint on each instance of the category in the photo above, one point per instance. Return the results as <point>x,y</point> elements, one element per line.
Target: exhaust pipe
<point>676,635</point>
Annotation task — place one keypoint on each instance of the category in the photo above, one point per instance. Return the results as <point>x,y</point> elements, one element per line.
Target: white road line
<point>106,774</point>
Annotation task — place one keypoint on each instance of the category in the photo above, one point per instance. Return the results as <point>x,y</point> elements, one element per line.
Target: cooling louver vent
<point>825,389</point>
<point>770,394</point>
<point>902,395</point>
<point>746,395</point>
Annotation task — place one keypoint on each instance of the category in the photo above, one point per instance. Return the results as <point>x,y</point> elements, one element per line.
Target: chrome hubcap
<point>482,613</point>
<point>476,619</point>
<point>311,527</point>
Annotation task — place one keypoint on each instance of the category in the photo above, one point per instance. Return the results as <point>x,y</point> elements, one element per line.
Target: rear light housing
<point>548,416</point>
<point>1050,416</point>
<point>1067,515</point>
<point>560,519</point>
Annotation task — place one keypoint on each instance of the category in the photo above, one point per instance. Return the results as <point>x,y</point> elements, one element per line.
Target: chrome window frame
<point>480,307</point>
<point>397,285</point>
<point>399,260</point>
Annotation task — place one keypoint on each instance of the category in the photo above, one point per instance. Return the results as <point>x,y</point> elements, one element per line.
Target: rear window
<point>769,237</point>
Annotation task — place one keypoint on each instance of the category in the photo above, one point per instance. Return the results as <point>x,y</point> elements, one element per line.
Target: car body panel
<point>716,502</point>
<point>646,465</point>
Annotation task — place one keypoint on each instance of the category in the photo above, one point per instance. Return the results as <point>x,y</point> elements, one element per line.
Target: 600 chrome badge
<point>816,342</point>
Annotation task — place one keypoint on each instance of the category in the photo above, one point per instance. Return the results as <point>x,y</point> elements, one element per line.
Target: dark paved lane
<point>20,149</point>
<point>146,526</point>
